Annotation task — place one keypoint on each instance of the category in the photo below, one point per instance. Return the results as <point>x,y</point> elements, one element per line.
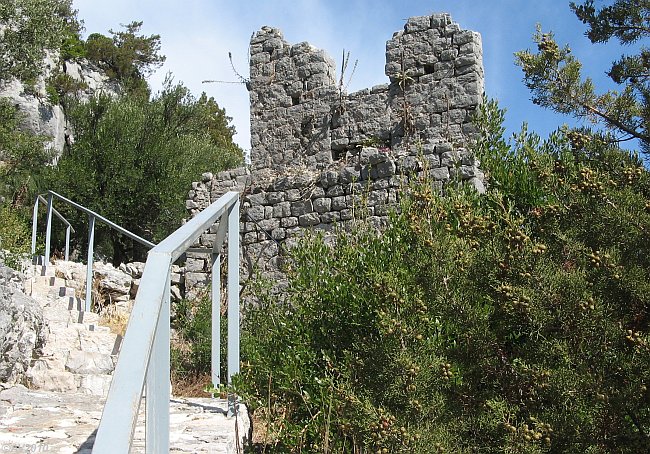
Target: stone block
<point>289,222</point>
<point>377,197</point>
<point>193,280</point>
<point>383,170</point>
<point>432,161</point>
<point>301,207</point>
<point>269,224</point>
<point>330,217</point>
<point>346,214</point>
<point>339,203</point>
<point>257,199</point>
<point>309,219</point>
<point>208,239</point>
<point>335,191</point>
<point>317,192</point>
<point>194,264</point>
<point>322,205</point>
<point>274,197</point>
<point>441,173</point>
<point>80,362</point>
<point>348,175</point>
<point>279,234</point>
<point>293,195</point>
<point>449,158</point>
<point>282,210</point>
<point>250,237</point>
<point>255,213</point>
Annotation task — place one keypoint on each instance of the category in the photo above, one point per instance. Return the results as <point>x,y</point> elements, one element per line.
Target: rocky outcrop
<point>22,329</point>
<point>41,117</point>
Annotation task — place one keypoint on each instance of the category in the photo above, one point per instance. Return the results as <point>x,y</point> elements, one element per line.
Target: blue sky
<point>198,34</point>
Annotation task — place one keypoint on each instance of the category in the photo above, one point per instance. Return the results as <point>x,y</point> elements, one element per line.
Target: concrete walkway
<point>53,422</point>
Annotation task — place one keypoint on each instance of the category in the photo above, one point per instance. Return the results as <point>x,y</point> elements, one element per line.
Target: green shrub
<point>60,85</point>
<point>192,354</point>
<point>511,322</point>
<point>131,152</point>
<point>14,237</point>
<point>14,231</point>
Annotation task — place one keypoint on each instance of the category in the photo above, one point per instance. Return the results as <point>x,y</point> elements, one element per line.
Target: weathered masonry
<point>319,153</point>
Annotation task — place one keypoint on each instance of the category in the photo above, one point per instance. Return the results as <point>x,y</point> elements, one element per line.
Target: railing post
<point>233,297</point>
<point>67,242</point>
<point>158,387</point>
<point>48,228</point>
<point>89,265</point>
<point>216,299</point>
<point>34,227</point>
<point>216,319</point>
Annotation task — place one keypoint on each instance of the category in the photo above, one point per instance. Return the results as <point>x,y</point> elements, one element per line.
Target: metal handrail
<point>92,216</point>
<point>144,357</point>
<point>69,229</point>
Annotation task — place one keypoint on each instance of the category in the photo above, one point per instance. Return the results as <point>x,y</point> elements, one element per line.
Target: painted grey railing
<point>144,357</point>
<point>92,216</point>
<point>68,227</point>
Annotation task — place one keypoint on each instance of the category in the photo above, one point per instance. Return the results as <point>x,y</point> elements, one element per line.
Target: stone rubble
<point>115,286</point>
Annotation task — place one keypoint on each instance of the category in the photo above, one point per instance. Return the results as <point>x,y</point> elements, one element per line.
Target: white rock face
<point>97,81</point>
<point>22,330</point>
<point>42,118</point>
<point>39,116</point>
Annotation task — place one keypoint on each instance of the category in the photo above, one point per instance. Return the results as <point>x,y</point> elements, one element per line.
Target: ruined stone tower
<point>315,148</point>
<point>300,114</point>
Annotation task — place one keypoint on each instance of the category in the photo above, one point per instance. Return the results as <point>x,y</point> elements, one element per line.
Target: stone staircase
<point>80,355</point>
<point>69,382</point>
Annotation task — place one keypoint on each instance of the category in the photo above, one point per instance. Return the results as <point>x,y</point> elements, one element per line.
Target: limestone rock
<point>112,281</point>
<point>22,330</point>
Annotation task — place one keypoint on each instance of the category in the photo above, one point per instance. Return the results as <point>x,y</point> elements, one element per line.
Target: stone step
<point>49,374</point>
<point>94,384</point>
<point>48,281</point>
<point>50,286</point>
<point>44,270</point>
<point>87,363</point>
<point>83,372</point>
<point>56,325</point>
<point>66,337</point>
<point>40,421</point>
<point>55,314</point>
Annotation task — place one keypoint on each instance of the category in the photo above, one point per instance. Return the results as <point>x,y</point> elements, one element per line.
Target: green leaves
<point>555,77</point>
<point>127,57</point>
<point>516,321</point>
<point>134,160</point>
<point>32,28</point>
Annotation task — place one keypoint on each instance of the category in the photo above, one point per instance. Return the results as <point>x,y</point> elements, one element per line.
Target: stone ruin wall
<point>319,153</point>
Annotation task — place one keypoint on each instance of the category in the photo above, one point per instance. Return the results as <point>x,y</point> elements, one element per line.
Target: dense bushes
<point>511,322</point>
<point>134,160</point>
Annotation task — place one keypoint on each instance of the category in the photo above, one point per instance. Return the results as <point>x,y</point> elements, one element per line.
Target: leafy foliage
<point>23,158</point>
<point>555,78</point>
<point>497,323</point>
<point>134,159</point>
<point>126,57</point>
<point>31,27</point>
<point>192,353</point>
